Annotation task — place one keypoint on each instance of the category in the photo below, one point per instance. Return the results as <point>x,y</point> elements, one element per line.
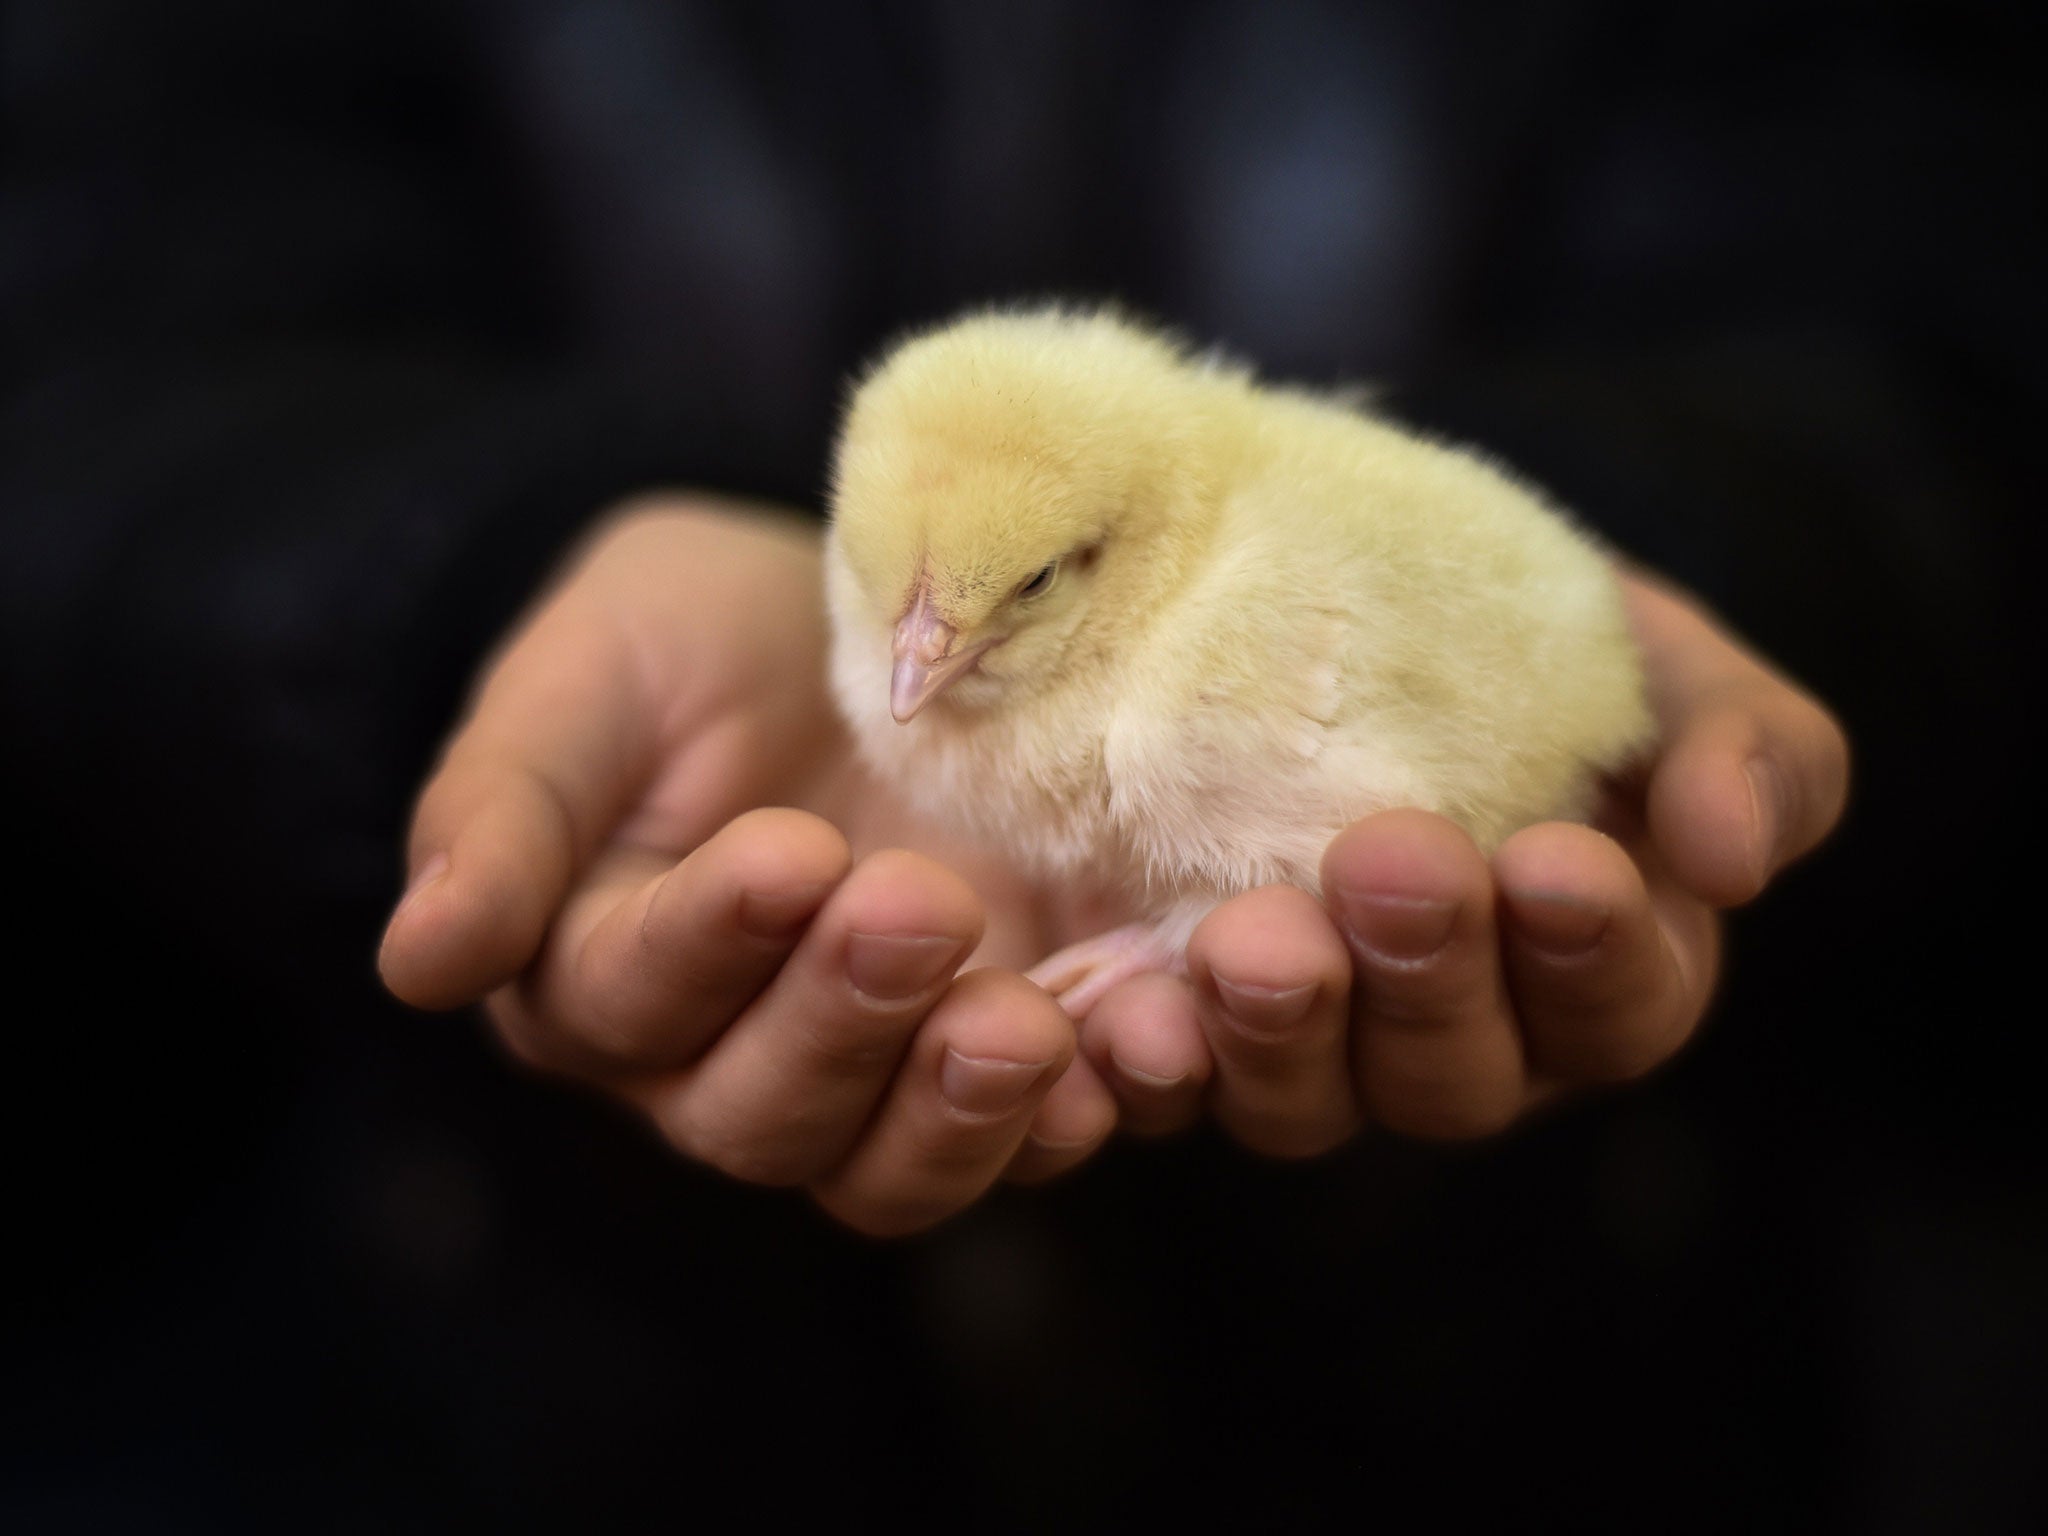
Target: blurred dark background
<point>326,327</point>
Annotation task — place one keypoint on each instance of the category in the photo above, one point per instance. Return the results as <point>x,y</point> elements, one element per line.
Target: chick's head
<point>1011,494</point>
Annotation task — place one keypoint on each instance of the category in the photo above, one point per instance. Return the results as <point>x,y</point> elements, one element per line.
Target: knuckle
<point>1425,995</point>
<point>854,1045</point>
<point>607,1020</point>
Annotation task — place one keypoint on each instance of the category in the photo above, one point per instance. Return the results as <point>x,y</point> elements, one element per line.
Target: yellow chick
<point>1149,626</point>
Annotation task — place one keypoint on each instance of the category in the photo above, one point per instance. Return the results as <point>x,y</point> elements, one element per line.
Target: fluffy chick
<point>1149,626</point>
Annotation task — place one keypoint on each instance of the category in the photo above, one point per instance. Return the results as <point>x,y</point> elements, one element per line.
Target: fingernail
<point>892,966</point>
<point>1265,1010</point>
<point>778,914</point>
<point>1403,929</point>
<point>1563,927</point>
<point>1151,1081</point>
<point>1766,797</point>
<point>987,1085</point>
<point>430,871</point>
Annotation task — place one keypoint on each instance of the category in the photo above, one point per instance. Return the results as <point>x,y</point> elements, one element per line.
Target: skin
<point>650,853</point>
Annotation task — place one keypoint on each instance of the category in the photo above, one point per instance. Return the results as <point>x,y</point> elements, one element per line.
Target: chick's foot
<point>1082,974</point>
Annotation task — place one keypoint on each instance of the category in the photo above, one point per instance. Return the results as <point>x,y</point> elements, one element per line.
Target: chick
<point>1150,627</point>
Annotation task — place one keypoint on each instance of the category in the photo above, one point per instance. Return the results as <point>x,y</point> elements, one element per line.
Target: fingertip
<point>1565,861</point>
<point>1606,993</point>
<point>1076,1116</point>
<point>508,858</point>
<point>1272,986</point>
<point>1404,852</point>
<point>1148,1028</point>
<point>1434,1049</point>
<point>1770,810</point>
<point>995,1014</point>
<point>1402,886</point>
<point>778,842</point>
<point>782,865</point>
<point>1829,764</point>
<point>989,1057</point>
<point>444,948</point>
<point>1714,810</point>
<point>1274,940</point>
<point>1145,1042</point>
<point>1758,774</point>
<point>396,951</point>
<point>897,891</point>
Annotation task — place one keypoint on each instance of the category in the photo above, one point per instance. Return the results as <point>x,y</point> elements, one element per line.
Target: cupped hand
<point>650,852</point>
<point>1443,995</point>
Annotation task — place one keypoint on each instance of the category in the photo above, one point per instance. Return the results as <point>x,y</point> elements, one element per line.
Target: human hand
<point>592,854</point>
<point>650,851</point>
<point>1442,996</point>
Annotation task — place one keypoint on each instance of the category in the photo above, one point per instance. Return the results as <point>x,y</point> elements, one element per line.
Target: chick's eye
<point>1040,582</point>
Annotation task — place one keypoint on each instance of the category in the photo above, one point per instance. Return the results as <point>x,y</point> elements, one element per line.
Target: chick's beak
<point>929,657</point>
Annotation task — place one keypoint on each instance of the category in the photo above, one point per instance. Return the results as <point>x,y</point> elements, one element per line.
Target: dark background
<point>326,326</point>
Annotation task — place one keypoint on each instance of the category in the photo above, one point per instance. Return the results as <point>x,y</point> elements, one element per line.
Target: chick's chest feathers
<point>1218,732</point>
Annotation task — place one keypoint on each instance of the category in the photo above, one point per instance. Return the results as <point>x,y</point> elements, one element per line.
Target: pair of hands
<point>650,850</point>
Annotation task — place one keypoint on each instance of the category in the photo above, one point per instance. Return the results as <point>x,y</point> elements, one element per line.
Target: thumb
<point>555,748</point>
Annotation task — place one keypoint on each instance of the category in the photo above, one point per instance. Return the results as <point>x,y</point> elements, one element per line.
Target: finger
<point>784,1092</point>
<point>1749,782</point>
<point>652,959</point>
<point>558,739</point>
<point>1606,987</point>
<point>1076,1118</point>
<point>1752,772</point>
<point>958,1111</point>
<point>1434,1048</point>
<point>1270,980</point>
<point>1145,1041</point>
